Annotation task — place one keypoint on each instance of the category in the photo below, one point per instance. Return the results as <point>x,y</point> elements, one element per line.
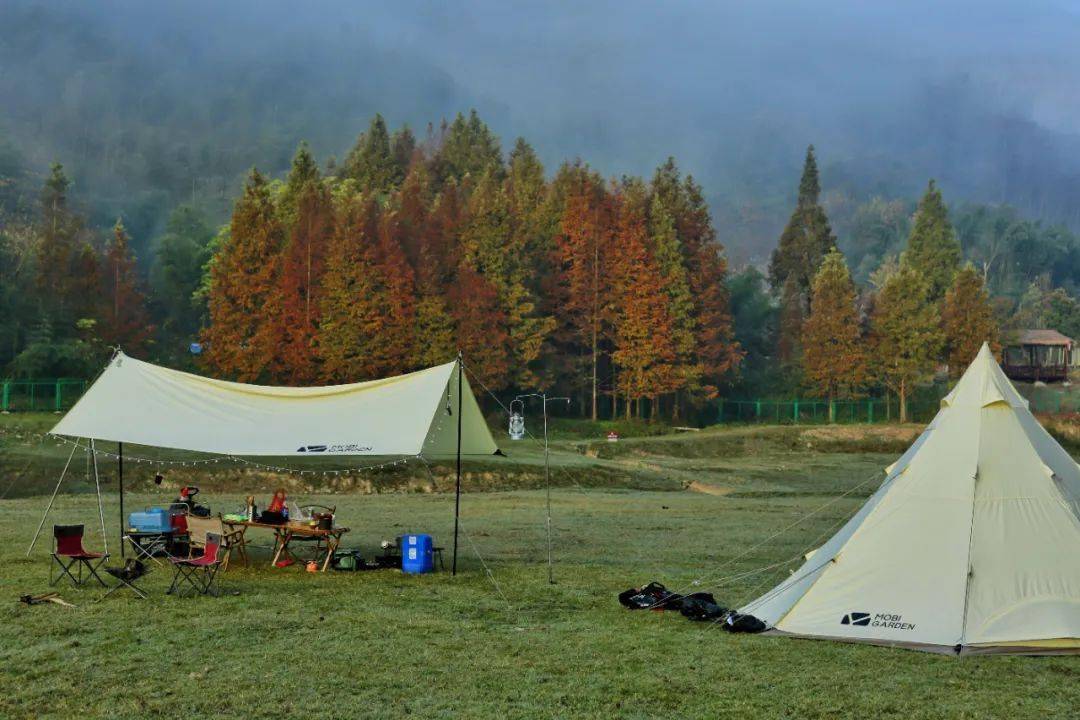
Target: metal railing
<point>54,395</point>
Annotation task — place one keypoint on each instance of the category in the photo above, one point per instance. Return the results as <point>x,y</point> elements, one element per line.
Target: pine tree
<point>674,277</point>
<point>806,238</point>
<point>58,249</point>
<point>480,325</point>
<point>581,283</point>
<point>435,336</point>
<point>644,353</point>
<point>399,339</point>
<point>414,202</point>
<point>469,147</point>
<point>403,149</point>
<point>834,361</point>
<point>125,320</point>
<point>300,287</point>
<point>371,161</point>
<point>933,250</point>
<point>907,337</point>
<point>243,298</point>
<point>354,302</point>
<point>967,319</point>
<point>789,327</point>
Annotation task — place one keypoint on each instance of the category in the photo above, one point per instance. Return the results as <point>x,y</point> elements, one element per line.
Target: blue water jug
<point>416,554</point>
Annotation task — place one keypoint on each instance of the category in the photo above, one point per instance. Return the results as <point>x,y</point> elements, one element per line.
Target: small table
<point>286,532</point>
<point>149,545</point>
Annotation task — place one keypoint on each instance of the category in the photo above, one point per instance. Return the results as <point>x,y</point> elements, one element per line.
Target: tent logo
<point>856,618</point>
<point>312,448</point>
<point>879,620</point>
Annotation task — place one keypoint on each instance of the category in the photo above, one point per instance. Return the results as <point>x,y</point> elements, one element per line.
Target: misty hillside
<point>152,105</point>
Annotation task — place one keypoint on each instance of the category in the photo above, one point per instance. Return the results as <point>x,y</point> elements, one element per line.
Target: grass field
<point>498,640</point>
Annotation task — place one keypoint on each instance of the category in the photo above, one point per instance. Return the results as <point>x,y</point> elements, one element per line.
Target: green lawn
<point>384,645</point>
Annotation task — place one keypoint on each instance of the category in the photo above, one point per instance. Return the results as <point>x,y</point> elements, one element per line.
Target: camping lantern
<point>517,420</point>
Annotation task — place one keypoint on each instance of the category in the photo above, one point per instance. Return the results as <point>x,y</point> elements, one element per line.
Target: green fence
<point>809,411</point>
<point>42,395</point>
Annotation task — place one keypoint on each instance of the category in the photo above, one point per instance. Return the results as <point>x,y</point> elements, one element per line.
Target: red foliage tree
<point>125,320</point>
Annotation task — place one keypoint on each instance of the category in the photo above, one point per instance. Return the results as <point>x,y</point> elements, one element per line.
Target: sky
<point>980,95</point>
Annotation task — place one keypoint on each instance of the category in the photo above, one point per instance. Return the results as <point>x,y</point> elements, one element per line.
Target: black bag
<point>701,606</point>
<point>653,596</point>
<point>271,518</point>
<point>737,623</point>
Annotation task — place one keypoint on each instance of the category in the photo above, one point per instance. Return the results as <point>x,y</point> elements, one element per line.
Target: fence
<point>52,395</point>
<point>809,411</point>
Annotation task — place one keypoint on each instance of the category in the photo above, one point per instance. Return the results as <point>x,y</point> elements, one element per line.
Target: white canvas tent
<point>970,545</point>
<point>415,414</point>
<point>426,413</point>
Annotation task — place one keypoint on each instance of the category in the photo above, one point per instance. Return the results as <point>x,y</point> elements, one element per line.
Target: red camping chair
<point>68,552</point>
<point>198,572</point>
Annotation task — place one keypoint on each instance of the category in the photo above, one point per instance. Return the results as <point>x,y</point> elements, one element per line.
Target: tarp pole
<point>63,472</point>
<point>100,509</point>
<point>457,483</point>
<point>120,477</point>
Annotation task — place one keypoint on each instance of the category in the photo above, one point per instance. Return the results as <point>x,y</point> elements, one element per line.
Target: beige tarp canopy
<point>970,545</point>
<point>414,414</point>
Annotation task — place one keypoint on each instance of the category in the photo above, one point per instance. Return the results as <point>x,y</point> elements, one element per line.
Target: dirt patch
<point>707,489</point>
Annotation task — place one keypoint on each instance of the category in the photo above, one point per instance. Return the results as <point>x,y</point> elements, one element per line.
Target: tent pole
<point>457,483</point>
<point>100,509</point>
<point>120,477</point>
<point>63,472</point>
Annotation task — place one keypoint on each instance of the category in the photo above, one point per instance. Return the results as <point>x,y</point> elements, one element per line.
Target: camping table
<point>148,545</point>
<point>284,534</point>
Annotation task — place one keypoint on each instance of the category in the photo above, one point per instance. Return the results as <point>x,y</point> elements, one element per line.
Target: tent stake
<point>120,476</point>
<point>63,472</point>
<point>457,483</point>
<point>100,509</point>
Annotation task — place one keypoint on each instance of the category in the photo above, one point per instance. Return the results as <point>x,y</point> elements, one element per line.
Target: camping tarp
<point>969,546</point>
<point>415,414</point>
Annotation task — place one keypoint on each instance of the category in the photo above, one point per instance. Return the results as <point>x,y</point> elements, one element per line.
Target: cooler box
<point>152,520</point>
<point>416,554</point>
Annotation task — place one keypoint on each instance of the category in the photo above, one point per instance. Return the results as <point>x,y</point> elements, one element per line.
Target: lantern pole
<point>547,471</point>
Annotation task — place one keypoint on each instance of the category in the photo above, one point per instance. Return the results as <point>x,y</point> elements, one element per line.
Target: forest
<point>616,291</point>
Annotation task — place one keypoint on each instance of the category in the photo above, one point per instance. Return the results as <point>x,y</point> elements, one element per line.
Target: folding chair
<point>68,551</point>
<point>199,527</point>
<point>127,575</point>
<point>198,572</point>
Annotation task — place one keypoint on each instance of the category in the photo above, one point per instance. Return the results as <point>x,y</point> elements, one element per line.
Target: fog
<point>150,104</point>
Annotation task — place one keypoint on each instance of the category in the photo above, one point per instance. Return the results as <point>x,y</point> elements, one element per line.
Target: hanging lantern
<point>517,420</point>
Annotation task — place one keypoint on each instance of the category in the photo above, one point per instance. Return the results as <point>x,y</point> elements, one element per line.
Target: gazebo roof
<point>1042,337</point>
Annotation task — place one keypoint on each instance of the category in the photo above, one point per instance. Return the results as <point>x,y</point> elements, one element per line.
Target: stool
<point>127,575</point>
<point>436,554</point>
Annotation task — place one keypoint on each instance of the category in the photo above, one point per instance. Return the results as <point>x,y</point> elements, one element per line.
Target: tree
<point>480,326</point>
<point>907,336</point>
<point>353,301</point>
<point>468,148</point>
<point>644,353</point>
<point>125,321</point>
<point>967,319</point>
<point>58,248</point>
<point>932,249</point>
<point>371,161</point>
<point>834,362</point>
<point>789,326</point>
<point>179,257</point>
<point>806,238</point>
<point>243,297</point>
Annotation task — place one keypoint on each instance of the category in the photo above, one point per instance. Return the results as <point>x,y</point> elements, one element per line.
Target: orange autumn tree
<point>967,319</point>
<point>834,362</point>
<point>481,332</point>
<point>644,354</point>
<point>399,336</point>
<point>125,320</point>
<point>581,287</point>
<point>354,303</point>
<point>242,337</point>
<point>308,202</point>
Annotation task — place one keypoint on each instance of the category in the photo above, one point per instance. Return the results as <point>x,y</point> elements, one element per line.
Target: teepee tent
<point>970,545</point>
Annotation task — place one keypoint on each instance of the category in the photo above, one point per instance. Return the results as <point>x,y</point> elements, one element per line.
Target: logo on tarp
<point>893,621</point>
<point>338,448</point>
<point>312,448</point>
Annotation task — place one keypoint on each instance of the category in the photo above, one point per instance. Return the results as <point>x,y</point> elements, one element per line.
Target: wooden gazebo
<point>1038,355</point>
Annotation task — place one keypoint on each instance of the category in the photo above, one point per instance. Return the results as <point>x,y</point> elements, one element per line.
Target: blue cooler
<point>416,554</point>
<point>151,520</point>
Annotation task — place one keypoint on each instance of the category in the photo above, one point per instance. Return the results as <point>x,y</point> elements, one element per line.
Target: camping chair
<point>200,527</point>
<point>198,572</point>
<point>68,551</point>
<point>127,574</point>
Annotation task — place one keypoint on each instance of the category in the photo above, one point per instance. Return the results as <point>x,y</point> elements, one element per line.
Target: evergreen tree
<point>403,149</point>
<point>399,338</point>
<point>371,162</point>
<point>967,319</point>
<point>469,147</point>
<point>644,353</point>
<point>58,249</point>
<point>480,325</point>
<point>932,249</point>
<point>834,361</point>
<point>806,238</point>
<point>176,272</point>
<point>354,305</point>
<point>125,320</point>
<point>434,324</point>
<point>671,263</point>
<point>789,327</point>
<point>907,337</point>
<point>243,298</point>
